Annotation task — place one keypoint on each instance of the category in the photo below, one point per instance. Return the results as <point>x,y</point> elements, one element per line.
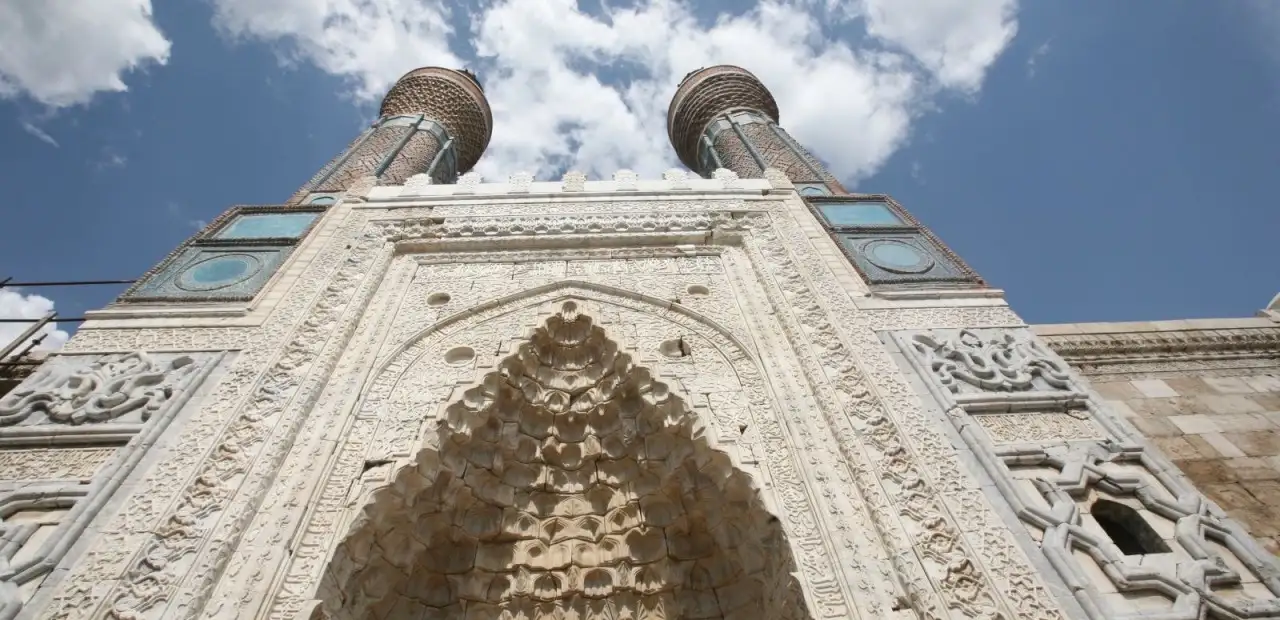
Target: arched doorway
<point>567,484</point>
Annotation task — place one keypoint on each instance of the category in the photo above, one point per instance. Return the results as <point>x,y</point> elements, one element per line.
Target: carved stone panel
<point>69,436</point>
<point>749,327</point>
<point>568,481</point>
<point>455,349</point>
<point>1125,531</point>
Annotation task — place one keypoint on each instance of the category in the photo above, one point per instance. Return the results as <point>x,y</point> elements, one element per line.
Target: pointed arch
<point>567,288</point>
<point>567,482</point>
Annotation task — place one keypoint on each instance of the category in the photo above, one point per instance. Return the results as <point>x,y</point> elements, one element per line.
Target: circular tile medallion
<point>218,272</point>
<point>897,256</point>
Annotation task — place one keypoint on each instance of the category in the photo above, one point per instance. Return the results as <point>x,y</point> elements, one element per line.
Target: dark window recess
<point>1127,529</point>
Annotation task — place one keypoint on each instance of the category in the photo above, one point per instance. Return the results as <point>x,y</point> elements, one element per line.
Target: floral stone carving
<point>109,388</point>
<point>967,361</point>
<point>50,494</point>
<point>568,483</point>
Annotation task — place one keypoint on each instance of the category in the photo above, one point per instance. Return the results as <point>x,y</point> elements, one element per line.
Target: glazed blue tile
<point>213,274</point>
<point>859,214</point>
<point>900,258</point>
<point>267,225</point>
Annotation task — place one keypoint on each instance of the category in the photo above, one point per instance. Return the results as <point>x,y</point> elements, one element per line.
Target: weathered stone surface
<point>1204,393</point>
<point>567,480</point>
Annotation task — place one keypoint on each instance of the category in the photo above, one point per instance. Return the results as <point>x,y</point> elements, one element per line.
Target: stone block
<point>1229,403</point>
<point>1263,383</point>
<point>1182,449</point>
<point>1256,443</point>
<point>1154,388</point>
<point>1229,385</point>
<point>1122,409</point>
<point>1188,386</point>
<point>1242,422</point>
<point>1222,445</point>
<point>1182,405</point>
<point>1259,519</point>
<point>1230,496</point>
<point>1120,390</point>
<point>1252,468</point>
<point>1195,424</point>
<point>1156,427</point>
<point>1208,471</point>
<point>1266,491</point>
<point>1268,402</point>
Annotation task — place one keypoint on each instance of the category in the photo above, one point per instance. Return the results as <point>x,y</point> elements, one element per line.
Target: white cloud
<point>849,98</point>
<point>372,42</point>
<point>110,159</point>
<point>1035,57</point>
<point>14,305</point>
<point>62,52</point>
<point>956,40</point>
<point>852,107</point>
<point>39,134</point>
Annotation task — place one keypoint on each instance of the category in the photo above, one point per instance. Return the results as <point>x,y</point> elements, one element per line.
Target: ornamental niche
<point>567,483</point>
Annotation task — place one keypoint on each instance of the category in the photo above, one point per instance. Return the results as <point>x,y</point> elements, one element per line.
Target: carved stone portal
<point>567,484</point>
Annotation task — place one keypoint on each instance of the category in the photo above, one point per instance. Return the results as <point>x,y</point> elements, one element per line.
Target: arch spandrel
<point>415,377</point>
<point>566,482</point>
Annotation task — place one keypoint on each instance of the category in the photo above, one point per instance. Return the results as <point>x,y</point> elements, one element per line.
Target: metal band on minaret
<point>724,117</point>
<point>434,121</point>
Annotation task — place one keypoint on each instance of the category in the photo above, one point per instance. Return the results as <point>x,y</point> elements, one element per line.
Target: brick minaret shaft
<point>434,121</point>
<point>723,117</point>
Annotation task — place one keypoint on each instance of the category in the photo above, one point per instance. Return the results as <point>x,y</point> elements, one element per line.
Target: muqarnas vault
<point>737,391</point>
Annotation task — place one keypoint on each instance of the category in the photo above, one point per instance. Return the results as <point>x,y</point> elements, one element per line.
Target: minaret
<point>434,121</point>
<point>724,117</point>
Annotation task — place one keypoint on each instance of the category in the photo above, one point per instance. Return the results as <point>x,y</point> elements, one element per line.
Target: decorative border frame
<point>1112,356</point>
<point>132,442</point>
<point>208,234</point>
<point>970,278</point>
<point>205,238</point>
<point>1025,377</point>
<point>195,253</point>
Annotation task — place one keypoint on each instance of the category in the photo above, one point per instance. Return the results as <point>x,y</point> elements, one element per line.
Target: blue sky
<point>1103,165</point>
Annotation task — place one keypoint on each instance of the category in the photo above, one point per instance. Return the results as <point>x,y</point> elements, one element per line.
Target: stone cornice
<point>1114,347</point>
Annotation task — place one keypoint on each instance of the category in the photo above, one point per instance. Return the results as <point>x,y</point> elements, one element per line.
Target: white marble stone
<point>610,398</point>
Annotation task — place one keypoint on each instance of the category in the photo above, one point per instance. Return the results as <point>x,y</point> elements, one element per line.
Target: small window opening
<point>1127,529</point>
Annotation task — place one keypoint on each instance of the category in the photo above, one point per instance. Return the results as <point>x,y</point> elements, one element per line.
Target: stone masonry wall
<point>1206,392</point>
<point>1223,432</point>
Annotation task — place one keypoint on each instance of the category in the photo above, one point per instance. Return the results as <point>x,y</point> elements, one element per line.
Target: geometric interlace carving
<point>567,484</point>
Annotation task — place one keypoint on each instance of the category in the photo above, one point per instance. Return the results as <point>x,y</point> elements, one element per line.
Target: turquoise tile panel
<point>859,214</point>
<point>267,226</point>
<point>213,274</point>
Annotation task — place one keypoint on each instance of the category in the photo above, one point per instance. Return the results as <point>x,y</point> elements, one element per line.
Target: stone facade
<point>622,399</point>
<point>448,405</point>
<point>1206,392</point>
